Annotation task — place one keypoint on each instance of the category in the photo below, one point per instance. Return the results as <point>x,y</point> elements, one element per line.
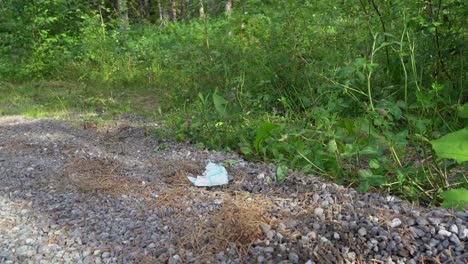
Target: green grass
<point>60,99</point>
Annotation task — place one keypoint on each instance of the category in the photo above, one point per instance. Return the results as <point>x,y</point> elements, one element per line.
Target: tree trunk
<point>145,7</point>
<point>172,11</point>
<point>201,10</point>
<point>123,13</point>
<point>161,11</point>
<point>228,7</point>
<point>183,10</point>
<point>144,10</point>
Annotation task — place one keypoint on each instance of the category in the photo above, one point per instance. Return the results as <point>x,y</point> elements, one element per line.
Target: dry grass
<point>101,175</point>
<point>175,173</point>
<point>236,222</point>
<point>172,197</point>
<point>20,144</point>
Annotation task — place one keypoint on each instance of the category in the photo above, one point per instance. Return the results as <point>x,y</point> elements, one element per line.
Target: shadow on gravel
<point>111,195</point>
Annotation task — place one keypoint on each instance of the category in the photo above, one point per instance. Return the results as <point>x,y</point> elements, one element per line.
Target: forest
<point>370,94</point>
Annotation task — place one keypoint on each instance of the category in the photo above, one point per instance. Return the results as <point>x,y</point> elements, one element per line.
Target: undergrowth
<point>339,90</point>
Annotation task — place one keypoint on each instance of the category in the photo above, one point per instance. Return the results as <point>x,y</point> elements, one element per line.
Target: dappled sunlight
<point>107,109</point>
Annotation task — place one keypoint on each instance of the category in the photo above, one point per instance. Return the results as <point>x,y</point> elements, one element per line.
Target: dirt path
<point>74,193</point>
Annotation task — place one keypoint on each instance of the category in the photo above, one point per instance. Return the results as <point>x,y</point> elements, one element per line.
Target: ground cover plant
<point>371,94</point>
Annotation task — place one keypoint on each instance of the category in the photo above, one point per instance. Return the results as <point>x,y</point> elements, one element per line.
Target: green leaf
<point>455,198</point>
<point>364,186</point>
<point>332,146</point>
<point>220,104</point>
<point>360,62</point>
<point>245,150</point>
<point>373,163</point>
<point>365,174</point>
<point>369,150</point>
<point>200,96</point>
<point>281,172</point>
<point>263,132</point>
<point>452,146</point>
<point>369,179</point>
<point>345,71</point>
<point>463,111</point>
<point>371,66</point>
<point>400,176</point>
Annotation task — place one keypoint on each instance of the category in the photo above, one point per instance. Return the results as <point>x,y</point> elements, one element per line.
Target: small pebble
<point>444,233</point>
<point>293,257</point>
<point>362,231</point>
<point>396,222</point>
<point>318,211</point>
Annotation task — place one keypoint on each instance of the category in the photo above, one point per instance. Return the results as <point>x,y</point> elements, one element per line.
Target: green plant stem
<point>412,48</point>
<point>310,162</point>
<point>395,156</point>
<point>403,66</point>
<point>369,75</point>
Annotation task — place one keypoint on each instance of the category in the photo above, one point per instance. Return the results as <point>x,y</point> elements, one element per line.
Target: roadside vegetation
<point>370,94</point>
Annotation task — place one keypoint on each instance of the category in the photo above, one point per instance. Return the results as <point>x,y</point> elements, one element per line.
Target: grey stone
<point>421,221</point>
<point>174,260</point>
<point>454,229</point>
<point>362,231</point>
<point>293,257</point>
<point>318,211</point>
<point>416,232</point>
<point>265,228</point>
<point>391,245</point>
<point>270,234</point>
<point>279,236</point>
<point>218,201</point>
<point>268,250</point>
<point>351,256</point>
<point>444,233</point>
<point>463,232</point>
<point>396,222</point>
<point>282,248</point>
<point>312,235</point>
<point>25,251</point>
<point>434,221</point>
<point>433,243</point>
<point>220,257</point>
<point>454,239</point>
<point>336,236</point>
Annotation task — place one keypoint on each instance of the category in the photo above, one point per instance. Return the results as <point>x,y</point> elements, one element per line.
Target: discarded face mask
<point>214,175</point>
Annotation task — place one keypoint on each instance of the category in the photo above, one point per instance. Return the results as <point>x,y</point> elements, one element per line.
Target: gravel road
<point>74,192</point>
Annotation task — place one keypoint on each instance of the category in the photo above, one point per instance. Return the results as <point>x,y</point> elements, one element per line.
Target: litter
<point>214,175</point>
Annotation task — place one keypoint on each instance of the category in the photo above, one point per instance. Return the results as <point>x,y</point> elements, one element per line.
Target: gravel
<point>71,192</point>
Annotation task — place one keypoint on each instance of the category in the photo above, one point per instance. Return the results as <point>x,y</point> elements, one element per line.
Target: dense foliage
<point>353,90</point>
